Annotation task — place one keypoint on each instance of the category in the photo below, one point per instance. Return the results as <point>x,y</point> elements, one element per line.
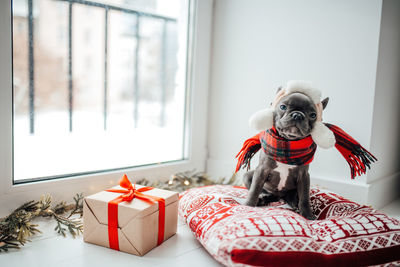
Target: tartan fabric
<point>301,152</point>
<point>358,158</point>
<point>250,147</point>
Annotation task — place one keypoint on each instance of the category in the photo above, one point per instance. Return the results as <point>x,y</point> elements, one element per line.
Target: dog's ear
<point>277,91</point>
<point>325,102</point>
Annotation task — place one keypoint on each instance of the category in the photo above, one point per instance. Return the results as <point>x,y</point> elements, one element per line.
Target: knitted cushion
<point>344,234</point>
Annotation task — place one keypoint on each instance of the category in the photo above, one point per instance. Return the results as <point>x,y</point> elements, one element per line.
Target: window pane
<point>97,85</point>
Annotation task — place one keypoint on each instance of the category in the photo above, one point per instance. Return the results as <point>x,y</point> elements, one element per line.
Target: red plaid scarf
<point>301,152</point>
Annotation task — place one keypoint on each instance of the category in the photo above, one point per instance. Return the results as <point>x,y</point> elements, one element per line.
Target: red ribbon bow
<point>129,193</point>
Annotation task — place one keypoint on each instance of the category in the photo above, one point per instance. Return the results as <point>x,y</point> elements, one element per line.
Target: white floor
<point>182,249</point>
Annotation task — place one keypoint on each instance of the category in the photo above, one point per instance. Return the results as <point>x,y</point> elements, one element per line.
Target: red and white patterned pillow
<point>344,234</point>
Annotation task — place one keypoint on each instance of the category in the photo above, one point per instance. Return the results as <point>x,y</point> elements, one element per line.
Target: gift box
<point>130,218</point>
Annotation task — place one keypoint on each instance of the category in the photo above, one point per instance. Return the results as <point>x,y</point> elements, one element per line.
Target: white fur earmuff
<point>262,120</point>
<point>322,135</point>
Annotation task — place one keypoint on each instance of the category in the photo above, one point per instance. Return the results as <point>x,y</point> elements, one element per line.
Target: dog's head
<point>295,115</point>
<point>296,112</point>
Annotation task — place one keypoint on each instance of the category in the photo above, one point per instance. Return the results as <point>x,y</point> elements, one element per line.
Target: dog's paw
<point>251,203</point>
<point>265,199</point>
<point>309,216</point>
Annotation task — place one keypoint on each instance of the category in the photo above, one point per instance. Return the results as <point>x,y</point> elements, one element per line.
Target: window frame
<point>12,195</point>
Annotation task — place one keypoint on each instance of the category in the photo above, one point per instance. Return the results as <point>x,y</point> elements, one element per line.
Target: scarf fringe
<point>358,158</point>
<point>250,147</point>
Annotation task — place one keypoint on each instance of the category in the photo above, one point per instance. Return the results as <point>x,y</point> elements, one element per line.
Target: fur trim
<point>262,120</point>
<point>304,87</point>
<point>323,136</point>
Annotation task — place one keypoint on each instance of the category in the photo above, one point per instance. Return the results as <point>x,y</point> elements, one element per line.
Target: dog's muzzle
<point>297,116</point>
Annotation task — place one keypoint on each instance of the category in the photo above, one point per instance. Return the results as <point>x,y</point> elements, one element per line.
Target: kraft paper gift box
<point>133,225</point>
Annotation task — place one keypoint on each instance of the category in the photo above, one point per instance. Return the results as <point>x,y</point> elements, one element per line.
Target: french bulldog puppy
<point>294,118</point>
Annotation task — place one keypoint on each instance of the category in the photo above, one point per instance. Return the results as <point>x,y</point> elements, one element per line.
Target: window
<point>196,90</point>
<point>98,86</point>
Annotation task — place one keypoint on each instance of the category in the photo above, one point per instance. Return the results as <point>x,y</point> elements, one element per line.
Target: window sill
<point>50,249</point>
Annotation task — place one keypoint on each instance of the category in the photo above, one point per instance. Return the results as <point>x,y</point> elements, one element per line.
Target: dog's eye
<point>313,115</point>
<point>283,107</point>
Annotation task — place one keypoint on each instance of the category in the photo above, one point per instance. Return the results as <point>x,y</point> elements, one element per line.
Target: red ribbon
<point>129,193</point>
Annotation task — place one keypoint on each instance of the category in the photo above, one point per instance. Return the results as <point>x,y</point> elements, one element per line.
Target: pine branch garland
<point>16,228</point>
<point>182,181</point>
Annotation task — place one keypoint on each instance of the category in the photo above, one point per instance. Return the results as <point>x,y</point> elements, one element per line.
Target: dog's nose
<point>297,116</point>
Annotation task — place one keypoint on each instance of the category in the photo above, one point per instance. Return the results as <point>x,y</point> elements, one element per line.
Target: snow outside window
<point>98,86</point>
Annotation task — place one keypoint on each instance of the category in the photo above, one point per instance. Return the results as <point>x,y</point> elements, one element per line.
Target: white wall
<point>384,177</point>
<point>259,45</point>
